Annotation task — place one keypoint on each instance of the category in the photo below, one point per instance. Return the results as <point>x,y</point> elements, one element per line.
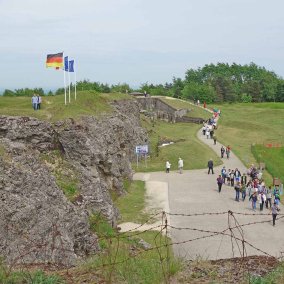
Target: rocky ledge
<point>39,223</point>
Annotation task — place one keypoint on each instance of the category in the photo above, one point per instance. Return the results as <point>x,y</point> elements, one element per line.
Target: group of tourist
<point>36,101</point>
<point>251,185</point>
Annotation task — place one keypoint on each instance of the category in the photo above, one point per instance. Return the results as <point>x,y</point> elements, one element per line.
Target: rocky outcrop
<point>38,223</point>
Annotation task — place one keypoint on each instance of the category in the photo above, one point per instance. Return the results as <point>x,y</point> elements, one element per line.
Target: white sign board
<point>142,149</point>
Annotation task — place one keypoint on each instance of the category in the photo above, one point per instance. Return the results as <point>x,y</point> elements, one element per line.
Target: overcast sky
<point>135,41</point>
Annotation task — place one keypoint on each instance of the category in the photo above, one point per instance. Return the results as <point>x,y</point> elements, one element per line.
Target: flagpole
<point>64,86</point>
<point>75,68</point>
<point>69,86</point>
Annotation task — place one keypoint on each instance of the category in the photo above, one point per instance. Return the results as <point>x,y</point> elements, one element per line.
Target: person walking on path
<point>262,199</point>
<point>168,166</point>
<point>180,165</point>
<point>237,189</point>
<point>210,166</point>
<point>224,174</point>
<point>34,101</point>
<point>244,179</point>
<point>244,191</point>
<point>222,151</point>
<point>232,177</point>
<point>207,133</point>
<point>268,197</point>
<point>228,151</point>
<point>274,210</point>
<point>204,129</point>
<point>214,139</point>
<point>276,196</point>
<point>219,183</point>
<point>253,199</point>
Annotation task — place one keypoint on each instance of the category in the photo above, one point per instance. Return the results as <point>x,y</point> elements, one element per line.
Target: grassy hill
<point>53,107</point>
<point>245,125</point>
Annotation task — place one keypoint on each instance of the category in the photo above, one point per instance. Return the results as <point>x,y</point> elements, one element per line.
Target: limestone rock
<point>38,223</point>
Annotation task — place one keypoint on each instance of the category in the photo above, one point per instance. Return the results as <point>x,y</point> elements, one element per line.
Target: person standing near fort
<point>180,165</point>
<point>34,101</point>
<point>38,101</point>
<point>168,166</point>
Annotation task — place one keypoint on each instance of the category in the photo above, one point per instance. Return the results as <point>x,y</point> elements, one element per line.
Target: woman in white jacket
<point>168,166</point>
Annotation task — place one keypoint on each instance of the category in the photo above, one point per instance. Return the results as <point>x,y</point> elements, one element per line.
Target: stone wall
<point>160,109</point>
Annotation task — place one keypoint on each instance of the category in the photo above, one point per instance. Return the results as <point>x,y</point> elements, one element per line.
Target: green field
<point>186,145</point>
<point>273,159</point>
<point>53,107</point>
<point>244,125</point>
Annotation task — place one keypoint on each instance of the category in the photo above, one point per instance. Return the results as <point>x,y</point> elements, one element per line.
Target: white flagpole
<point>69,86</point>
<point>64,86</point>
<point>75,67</point>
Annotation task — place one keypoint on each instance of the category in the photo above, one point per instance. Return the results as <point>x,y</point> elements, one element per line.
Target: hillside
<point>53,108</point>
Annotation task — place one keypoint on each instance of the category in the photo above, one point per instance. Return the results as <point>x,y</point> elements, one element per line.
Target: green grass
<point>53,107</point>
<point>26,277</point>
<point>242,125</point>
<point>186,145</point>
<point>273,159</point>
<point>125,261</point>
<point>131,206</point>
<point>274,277</point>
<point>195,111</point>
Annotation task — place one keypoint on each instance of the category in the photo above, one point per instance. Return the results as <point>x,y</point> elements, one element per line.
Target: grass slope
<point>273,159</point>
<point>53,107</point>
<point>243,125</point>
<point>195,111</point>
<point>186,145</point>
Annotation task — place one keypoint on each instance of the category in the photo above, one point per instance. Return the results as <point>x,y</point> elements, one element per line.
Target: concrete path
<point>196,192</point>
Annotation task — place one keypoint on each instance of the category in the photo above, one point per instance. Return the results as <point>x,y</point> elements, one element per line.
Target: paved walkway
<point>196,192</point>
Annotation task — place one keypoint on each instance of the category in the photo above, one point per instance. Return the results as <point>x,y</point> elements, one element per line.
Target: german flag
<point>54,60</point>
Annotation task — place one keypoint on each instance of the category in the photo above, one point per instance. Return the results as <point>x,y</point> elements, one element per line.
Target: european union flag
<point>66,63</point>
<point>71,66</point>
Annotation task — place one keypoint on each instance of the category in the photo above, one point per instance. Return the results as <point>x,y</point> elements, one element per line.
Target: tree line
<point>219,82</point>
<point>224,83</point>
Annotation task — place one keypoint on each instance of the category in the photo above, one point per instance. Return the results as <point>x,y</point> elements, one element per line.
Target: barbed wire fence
<point>53,243</point>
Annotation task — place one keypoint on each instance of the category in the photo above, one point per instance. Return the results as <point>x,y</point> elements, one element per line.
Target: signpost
<point>141,150</point>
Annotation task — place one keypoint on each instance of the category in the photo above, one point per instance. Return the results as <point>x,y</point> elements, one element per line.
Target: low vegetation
<point>65,174</point>
<point>136,198</point>
<point>26,277</point>
<point>123,259</point>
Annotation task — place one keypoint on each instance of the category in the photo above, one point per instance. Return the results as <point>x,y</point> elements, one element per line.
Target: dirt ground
<point>234,270</point>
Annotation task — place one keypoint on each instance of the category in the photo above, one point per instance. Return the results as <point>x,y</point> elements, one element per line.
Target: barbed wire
<point>53,242</point>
